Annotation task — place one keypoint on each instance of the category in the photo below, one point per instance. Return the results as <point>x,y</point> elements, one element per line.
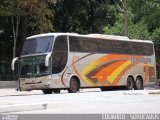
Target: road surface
<point>89,101</point>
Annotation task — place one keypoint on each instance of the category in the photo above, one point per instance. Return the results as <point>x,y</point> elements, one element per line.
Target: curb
<point>135,92</point>
<point>150,92</point>
<point>154,93</point>
<point>8,84</point>
<point>23,107</point>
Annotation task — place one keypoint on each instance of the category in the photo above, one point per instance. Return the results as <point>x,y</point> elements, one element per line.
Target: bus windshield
<point>33,67</point>
<point>37,45</point>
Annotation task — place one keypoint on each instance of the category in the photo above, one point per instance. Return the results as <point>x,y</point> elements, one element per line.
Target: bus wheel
<point>138,84</point>
<point>130,83</point>
<point>56,91</point>
<point>47,91</point>
<point>74,85</point>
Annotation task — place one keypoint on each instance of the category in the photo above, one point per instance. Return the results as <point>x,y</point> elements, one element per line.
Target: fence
<point>158,70</point>
<point>6,74</point>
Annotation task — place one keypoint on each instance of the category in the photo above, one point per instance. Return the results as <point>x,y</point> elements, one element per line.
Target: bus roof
<point>102,36</point>
<point>50,34</point>
<point>109,36</point>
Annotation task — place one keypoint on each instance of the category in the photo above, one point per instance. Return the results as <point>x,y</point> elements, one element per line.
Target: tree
<point>144,23</point>
<point>136,31</point>
<point>27,12</point>
<point>156,38</point>
<point>83,16</point>
<point>148,13</point>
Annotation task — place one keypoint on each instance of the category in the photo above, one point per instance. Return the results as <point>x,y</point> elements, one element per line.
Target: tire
<point>47,91</point>
<point>57,91</point>
<point>74,85</point>
<point>130,83</point>
<point>138,85</point>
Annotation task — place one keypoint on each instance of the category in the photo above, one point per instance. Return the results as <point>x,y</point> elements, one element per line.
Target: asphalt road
<point>86,102</point>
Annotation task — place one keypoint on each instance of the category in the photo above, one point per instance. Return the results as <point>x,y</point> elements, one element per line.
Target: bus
<point>68,61</point>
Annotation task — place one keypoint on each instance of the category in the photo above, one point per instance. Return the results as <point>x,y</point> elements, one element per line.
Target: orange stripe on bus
<point>107,71</point>
<point>112,57</point>
<point>115,57</point>
<point>75,70</point>
<point>146,73</point>
<point>123,72</point>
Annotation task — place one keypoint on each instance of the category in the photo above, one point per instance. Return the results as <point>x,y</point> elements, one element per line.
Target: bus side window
<point>60,54</point>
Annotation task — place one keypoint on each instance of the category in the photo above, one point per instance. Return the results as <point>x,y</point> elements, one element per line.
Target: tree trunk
<point>22,33</point>
<point>15,29</point>
<point>125,17</point>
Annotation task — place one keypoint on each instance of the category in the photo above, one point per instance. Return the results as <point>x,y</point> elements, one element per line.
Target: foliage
<point>136,31</point>
<point>143,23</point>
<point>83,16</point>
<point>26,17</point>
<point>156,38</point>
<point>147,12</point>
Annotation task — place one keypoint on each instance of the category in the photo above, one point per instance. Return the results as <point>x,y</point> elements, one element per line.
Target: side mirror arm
<point>47,59</point>
<point>13,63</point>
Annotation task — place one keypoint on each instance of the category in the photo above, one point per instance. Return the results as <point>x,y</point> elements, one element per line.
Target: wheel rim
<point>74,86</point>
<point>138,84</point>
<point>130,84</point>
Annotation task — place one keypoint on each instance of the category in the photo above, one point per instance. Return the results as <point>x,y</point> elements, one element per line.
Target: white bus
<point>54,61</point>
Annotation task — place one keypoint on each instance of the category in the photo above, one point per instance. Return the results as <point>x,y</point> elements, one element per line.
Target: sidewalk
<point>9,105</point>
<point>14,92</point>
<point>8,84</point>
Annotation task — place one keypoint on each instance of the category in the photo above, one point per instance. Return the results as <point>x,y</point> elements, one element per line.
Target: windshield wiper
<point>26,53</point>
<point>39,52</point>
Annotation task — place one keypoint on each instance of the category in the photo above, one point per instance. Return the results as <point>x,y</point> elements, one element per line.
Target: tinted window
<point>37,45</point>
<point>89,45</point>
<point>60,54</point>
<point>60,44</point>
<point>141,48</point>
<point>112,46</point>
<point>82,44</point>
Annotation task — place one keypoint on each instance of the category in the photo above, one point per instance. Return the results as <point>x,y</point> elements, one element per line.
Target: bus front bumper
<point>27,84</point>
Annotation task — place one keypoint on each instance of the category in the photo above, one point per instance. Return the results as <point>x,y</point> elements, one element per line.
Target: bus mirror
<point>47,59</point>
<point>13,63</point>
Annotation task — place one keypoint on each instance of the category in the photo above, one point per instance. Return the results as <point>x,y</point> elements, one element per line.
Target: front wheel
<point>74,85</point>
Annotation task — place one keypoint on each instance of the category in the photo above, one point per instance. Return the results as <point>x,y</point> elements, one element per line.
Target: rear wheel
<point>138,84</point>
<point>74,85</point>
<point>130,83</point>
<point>47,91</point>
